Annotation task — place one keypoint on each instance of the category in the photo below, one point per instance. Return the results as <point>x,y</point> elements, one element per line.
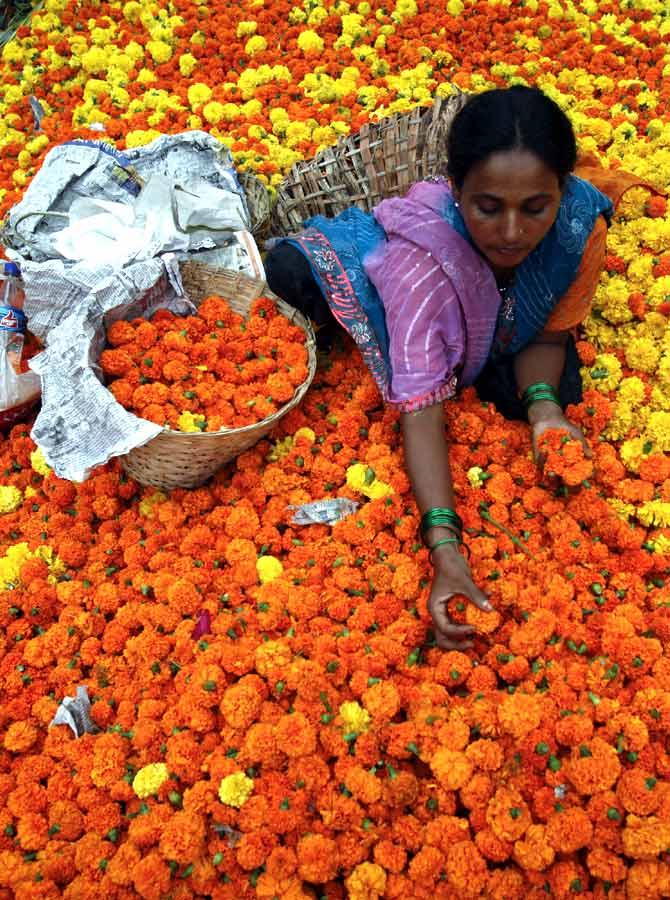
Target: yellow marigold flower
<point>132,11</point>
<point>657,430</point>
<point>642,354</point>
<point>213,112</point>
<point>140,138</point>
<point>660,544</point>
<point>255,44</point>
<point>187,63</point>
<point>632,452</point>
<point>366,882</point>
<point>474,475</point>
<point>631,389</point>
<point>146,506</point>
<point>160,51</point>
<point>10,498</point>
<point>310,42</point>
<point>236,789</point>
<point>604,374</point>
<point>268,568</point>
<point>198,94</point>
<point>246,29</point>
<point>95,60</point>
<point>191,422</point>
<point>355,718</point>
<point>146,76</point>
<point>39,464</point>
<point>305,433</point>
<point>624,510</point>
<point>455,7</point>
<point>149,779</point>
<point>362,478</point>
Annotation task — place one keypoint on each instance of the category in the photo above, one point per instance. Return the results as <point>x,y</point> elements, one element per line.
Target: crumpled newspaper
<point>323,512</point>
<point>76,712</point>
<point>80,424</point>
<point>92,211</point>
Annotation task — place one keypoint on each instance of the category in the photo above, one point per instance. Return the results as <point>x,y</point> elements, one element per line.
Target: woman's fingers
<point>480,599</point>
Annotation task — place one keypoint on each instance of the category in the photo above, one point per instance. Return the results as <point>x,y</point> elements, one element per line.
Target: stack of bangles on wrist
<point>539,391</point>
<point>442,517</point>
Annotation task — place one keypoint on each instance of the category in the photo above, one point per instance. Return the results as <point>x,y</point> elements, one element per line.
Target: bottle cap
<point>12,269</point>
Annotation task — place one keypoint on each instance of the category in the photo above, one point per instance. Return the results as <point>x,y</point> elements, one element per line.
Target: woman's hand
<point>452,576</point>
<point>545,415</point>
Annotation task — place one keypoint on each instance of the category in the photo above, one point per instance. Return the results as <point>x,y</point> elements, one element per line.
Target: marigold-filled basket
<point>178,459</point>
<point>382,160</point>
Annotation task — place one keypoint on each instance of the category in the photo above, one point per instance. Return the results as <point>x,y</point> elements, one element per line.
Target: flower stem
<point>486,515</point>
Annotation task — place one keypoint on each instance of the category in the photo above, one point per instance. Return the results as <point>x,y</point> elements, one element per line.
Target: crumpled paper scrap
<point>323,512</point>
<point>76,713</point>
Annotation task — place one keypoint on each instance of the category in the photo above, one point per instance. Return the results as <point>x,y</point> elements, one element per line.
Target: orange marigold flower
<point>532,851</point>
<point>645,838</point>
<point>295,734</point>
<point>519,714</point>
<point>507,814</point>
<point>466,869</point>
<point>637,792</point>
<point>452,768</point>
<point>604,864</point>
<point>20,736</point>
<point>366,882</point>
<point>593,766</point>
<point>318,858</point>
<point>363,785</point>
<point>569,830</point>
<point>382,700</point>
<point>182,837</point>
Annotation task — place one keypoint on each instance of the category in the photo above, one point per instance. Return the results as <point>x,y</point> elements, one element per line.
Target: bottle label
<point>12,319</point>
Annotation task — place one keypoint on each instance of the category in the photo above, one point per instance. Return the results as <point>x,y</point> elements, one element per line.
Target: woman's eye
<point>535,210</point>
<point>487,210</point>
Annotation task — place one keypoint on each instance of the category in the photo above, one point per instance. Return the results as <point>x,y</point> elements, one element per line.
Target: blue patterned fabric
<point>546,273</point>
<point>336,249</point>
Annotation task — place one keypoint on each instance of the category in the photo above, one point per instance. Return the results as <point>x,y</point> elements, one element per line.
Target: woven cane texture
<point>381,160</point>
<point>258,203</point>
<point>175,459</point>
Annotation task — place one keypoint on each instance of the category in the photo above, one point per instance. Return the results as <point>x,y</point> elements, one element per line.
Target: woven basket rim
<point>293,315</point>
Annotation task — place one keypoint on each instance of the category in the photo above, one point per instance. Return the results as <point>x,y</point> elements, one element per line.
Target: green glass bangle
<point>453,540</point>
<point>540,390</point>
<point>437,516</point>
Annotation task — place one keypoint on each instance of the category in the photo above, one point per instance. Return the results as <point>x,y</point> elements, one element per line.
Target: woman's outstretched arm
<point>427,462</point>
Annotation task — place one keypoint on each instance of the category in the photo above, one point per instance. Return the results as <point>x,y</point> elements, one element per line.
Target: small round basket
<point>175,459</point>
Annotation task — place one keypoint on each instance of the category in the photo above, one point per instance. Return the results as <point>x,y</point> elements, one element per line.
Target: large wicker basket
<point>177,459</point>
<point>381,160</point>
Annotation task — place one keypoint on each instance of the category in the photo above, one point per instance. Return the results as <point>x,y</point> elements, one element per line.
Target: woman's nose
<point>511,227</point>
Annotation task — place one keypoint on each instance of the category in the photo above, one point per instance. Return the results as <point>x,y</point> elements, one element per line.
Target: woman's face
<point>509,201</point>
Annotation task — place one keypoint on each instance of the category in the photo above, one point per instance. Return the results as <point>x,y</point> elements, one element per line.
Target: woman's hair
<point>516,118</point>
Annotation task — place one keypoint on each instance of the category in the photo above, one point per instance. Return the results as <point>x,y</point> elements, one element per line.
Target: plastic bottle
<point>12,317</point>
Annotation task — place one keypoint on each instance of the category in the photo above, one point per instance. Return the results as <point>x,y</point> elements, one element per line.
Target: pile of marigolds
<point>209,371</point>
<point>271,716</point>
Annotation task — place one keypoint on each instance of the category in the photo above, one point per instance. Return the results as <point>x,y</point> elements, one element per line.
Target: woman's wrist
<point>443,555</point>
<point>439,533</point>
<point>544,411</point>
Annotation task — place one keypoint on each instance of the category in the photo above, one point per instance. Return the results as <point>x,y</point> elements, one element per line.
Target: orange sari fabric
<point>574,305</point>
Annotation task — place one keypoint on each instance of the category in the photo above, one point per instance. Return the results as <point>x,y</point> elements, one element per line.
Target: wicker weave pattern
<point>177,459</point>
<point>382,160</point>
<point>258,202</point>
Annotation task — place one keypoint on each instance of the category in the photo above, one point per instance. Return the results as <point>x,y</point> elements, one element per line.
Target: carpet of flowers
<point>274,719</point>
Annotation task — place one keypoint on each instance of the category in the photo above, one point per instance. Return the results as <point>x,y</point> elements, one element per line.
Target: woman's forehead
<point>512,172</point>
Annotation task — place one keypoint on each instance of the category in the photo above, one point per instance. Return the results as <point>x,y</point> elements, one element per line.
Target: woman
<point>477,281</point>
